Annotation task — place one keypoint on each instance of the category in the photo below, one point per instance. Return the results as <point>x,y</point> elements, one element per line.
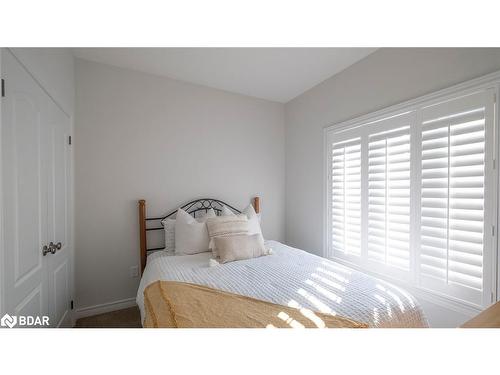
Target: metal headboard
<point>193,207</point>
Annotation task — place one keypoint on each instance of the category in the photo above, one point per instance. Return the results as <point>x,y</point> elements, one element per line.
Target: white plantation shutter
<point>346,197</point>
<point>413,196</point>
<point>389,198</point>
<point>452,230</point>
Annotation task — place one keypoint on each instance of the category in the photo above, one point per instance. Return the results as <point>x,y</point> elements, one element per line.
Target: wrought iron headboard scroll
<point>203,204</point>
<point>193,207</point>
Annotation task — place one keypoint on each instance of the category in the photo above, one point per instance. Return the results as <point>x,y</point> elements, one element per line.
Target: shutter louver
<point>389,198</point>
<point>346,197</point>
<point>452,197</point>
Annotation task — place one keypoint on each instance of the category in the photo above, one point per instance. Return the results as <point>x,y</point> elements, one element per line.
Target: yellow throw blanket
<point>171,304</point>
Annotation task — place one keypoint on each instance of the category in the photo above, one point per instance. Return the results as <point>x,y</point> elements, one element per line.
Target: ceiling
<point>277,74</point>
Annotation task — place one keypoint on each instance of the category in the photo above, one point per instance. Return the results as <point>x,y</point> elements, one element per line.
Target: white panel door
<point>24,185</point>
<point>59,265</point>
<point>36,191</point>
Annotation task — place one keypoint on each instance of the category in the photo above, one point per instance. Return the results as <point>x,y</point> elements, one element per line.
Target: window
<point>413,196</point>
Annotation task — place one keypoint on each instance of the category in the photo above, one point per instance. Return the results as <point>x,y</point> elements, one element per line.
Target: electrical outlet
<point>134,271</point>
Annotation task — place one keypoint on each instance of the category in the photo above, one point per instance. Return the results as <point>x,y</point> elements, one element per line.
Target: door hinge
<point>494,163</point>
<point>69,139</point>
<point>3,88</point>
<point>71,304</point>
<point>493,230</point>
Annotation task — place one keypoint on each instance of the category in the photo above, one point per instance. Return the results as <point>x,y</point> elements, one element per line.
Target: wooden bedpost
<point>142,234</point>
<point>256,204</point>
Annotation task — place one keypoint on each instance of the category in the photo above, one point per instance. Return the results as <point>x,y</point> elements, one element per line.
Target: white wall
<point>384,78</point>
<point>145,136</point>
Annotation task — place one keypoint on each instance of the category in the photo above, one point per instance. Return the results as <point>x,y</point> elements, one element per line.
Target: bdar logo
<point>8,321</point>
<point>24,321</point>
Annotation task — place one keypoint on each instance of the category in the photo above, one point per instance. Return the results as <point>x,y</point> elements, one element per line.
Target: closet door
<point>36,183</point>
<point>59,265</point>
<point>24,190</point>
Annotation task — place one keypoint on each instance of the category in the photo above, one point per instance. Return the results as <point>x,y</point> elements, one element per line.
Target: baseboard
<point>104,308</point>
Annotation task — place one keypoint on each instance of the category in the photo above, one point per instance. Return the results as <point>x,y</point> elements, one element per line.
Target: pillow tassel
<point>213,262</point>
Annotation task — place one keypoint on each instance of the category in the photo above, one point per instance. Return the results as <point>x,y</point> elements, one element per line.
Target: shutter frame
<point>414,109</point>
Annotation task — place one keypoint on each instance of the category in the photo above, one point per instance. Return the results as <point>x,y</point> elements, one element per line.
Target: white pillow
<point>169,228</point>
<point>191,235</point>
<point>227,212</point>
<point>252,216</point>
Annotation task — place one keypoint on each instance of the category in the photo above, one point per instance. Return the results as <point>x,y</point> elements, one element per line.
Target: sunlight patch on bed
<point>380,298</point>
<point>391,294</point>
<point>400,291</point>
<point>328,282</point>
<point>397,299</point>
<point>325,292</point>
<point>336,276</point>
<point>309,314</point>
<point>289,320</point>
<point>375,315</point>
<point>385,303</point>
<point>316,302</point>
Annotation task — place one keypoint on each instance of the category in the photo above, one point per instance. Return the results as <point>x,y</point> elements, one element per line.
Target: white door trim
<point>2,292</point>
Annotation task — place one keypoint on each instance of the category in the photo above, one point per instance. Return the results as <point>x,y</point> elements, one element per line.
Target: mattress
<point>295,278</point>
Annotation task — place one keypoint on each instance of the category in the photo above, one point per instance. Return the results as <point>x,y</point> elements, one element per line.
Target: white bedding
<point>293,277</point>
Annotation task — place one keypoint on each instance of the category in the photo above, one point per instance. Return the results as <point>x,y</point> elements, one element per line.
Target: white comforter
<point>293,277</point>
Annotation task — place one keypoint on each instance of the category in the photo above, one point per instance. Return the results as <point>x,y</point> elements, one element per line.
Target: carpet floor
<point>126,318</point>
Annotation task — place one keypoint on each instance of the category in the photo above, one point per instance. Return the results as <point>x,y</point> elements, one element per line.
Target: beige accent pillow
<point>225,226</point>
<point>240,247</point>
<point>252,216</point>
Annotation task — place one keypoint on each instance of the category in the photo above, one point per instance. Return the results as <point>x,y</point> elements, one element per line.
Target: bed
<point>288,277</point>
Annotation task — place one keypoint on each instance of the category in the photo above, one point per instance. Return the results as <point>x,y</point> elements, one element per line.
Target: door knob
<point>45,250</point>
<point>51,248</point>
